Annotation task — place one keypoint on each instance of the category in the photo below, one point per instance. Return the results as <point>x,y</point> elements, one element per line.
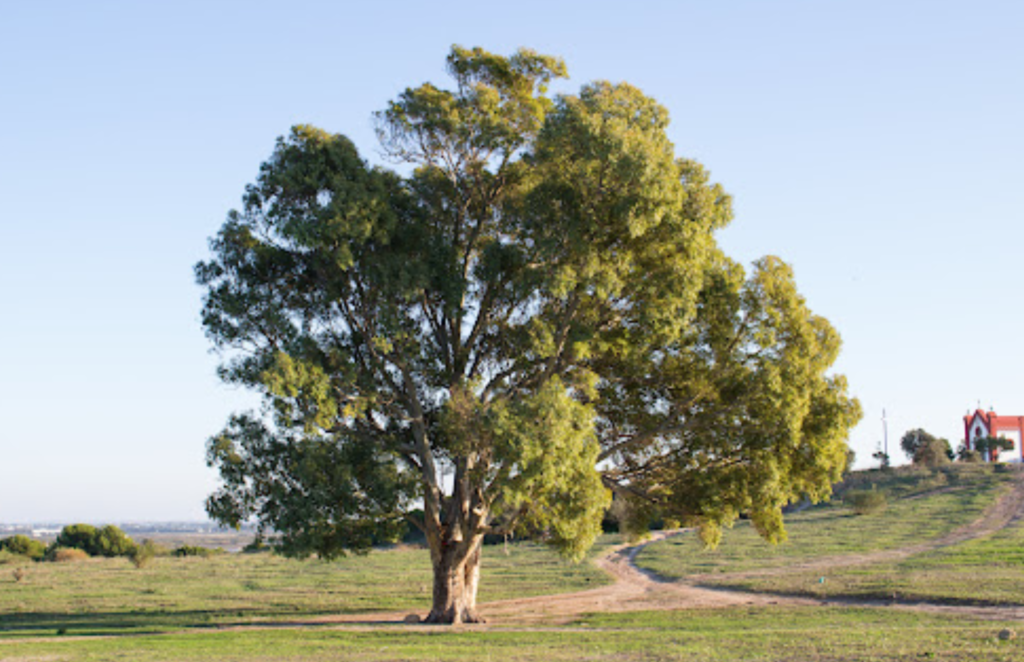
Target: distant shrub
<point>990,447</point>
<point>112,541</point>
<point>77,536</point>
<point>143,553</point>
<point>108,541</point>
<point>7,557</point>
<point>257,546</point>
<point>196,550</point>
<point>866,502</point>
<point>933,453</point>
<point>24,546</point>
<point>968,456</point>
<point>66,554</point>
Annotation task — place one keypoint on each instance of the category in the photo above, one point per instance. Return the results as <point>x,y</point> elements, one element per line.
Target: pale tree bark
<point>456,579</point>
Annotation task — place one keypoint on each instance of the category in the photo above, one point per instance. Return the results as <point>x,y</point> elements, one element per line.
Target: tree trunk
<point>456,578</point>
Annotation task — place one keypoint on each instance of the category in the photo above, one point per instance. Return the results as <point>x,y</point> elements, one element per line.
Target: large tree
<point>536,315</point>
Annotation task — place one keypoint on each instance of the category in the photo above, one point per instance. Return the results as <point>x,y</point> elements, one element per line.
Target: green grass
<point>110,595</point>
<point>806,634</point>
<point>922,506</point>
<point>178,608</point>
<point>983,571</point>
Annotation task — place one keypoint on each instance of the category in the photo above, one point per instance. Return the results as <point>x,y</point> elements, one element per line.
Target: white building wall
<point>1014,455</point>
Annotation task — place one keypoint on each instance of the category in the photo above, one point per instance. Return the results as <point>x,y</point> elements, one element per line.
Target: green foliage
<point>196,550</point>
<point>933,453</point>
<point>866,502</point>
<point>77,536</point>
<point>106,541</point>
<point>112,541</point>
<point>914,439</point>
<point>967,455</point>
<point>144,553</point>
<point>23,545</point>
<point>537,313</point>
<point>990,447</point>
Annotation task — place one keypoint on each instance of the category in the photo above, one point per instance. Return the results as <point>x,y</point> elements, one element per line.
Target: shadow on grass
<point>147,622</point>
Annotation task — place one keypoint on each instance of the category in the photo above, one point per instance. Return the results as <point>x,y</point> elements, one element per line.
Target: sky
<point>873,145</point>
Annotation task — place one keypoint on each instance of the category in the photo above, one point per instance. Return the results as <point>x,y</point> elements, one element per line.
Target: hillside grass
<point>728,635</point>
<point>922,506</point>
<point>983,571</point>
<point>101,596</point>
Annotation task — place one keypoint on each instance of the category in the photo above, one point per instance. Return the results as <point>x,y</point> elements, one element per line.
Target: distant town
<point>168,533</point>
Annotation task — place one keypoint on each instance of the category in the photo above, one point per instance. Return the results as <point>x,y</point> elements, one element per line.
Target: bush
<point>108,541</point>
<point>260,546</point>
<point>112,541</point>
<point>144,553</point>
<point>24,546</point>
<point>196,550</point>
<point>866,502</point>
<point>967,455</point>
<point>66,554</point>
<point>7,557</point>
<point>77,536</point>
<point>933,453</point>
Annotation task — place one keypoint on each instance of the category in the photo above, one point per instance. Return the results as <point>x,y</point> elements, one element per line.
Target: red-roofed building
<point>982,424</point>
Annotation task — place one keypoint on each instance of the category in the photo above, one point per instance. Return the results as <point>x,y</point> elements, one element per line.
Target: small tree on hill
<point>882,457</point>
<point>933,453</point>
<point>967,455</point>
<point>912,440</point>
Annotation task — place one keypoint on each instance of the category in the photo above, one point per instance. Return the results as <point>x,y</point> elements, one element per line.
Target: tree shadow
<point>115,623</point>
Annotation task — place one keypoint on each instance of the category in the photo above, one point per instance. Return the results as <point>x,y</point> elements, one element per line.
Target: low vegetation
<point>182,602</point>
<point>866,502</point>
<point>21,545</point>
<point>728,635</point>
<point>108,595</point>
<point>923,505</point>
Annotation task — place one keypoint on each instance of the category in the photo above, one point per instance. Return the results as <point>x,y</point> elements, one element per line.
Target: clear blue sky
<point>876,146</point>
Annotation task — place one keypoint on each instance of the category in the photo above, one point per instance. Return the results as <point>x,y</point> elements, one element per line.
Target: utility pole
<point>885,434</point>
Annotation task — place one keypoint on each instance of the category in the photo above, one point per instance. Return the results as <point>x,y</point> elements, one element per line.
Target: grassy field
<point>922,506</point>
<point>806,634</point>
<point>260,607</point>
<point>101,596</point>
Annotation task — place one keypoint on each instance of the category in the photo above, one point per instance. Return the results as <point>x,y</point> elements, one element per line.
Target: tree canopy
<point>536,315</point>
<point>922,447</point>
<point>990,447</point>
